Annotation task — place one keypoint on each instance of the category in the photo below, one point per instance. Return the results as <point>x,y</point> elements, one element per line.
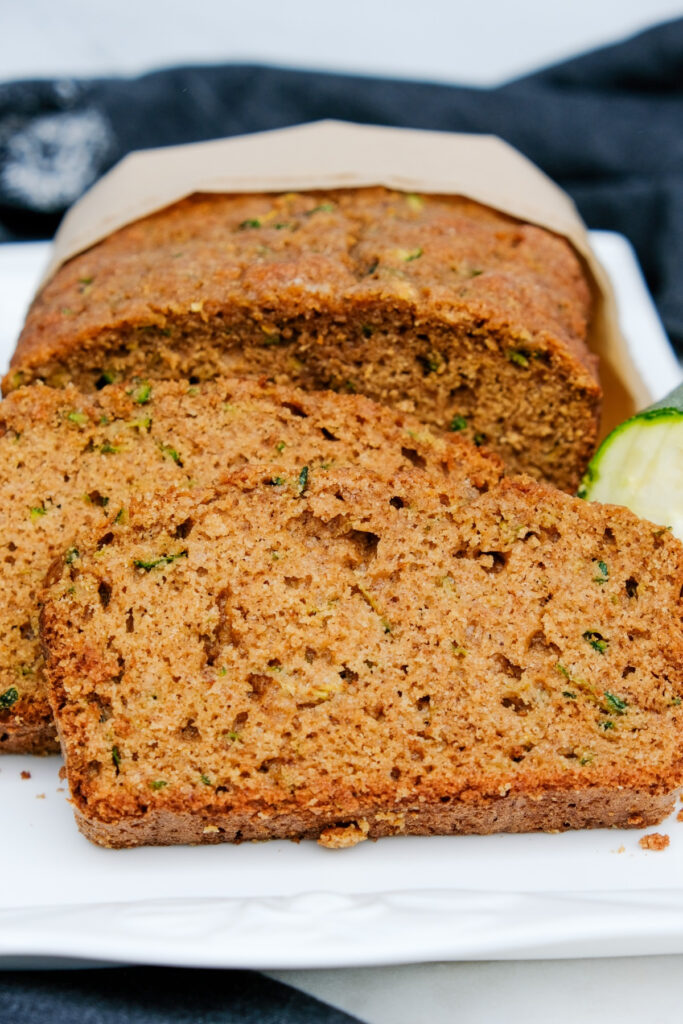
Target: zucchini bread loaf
<point>70,461</point>
<point>431,304</point>
<point>358,657</point>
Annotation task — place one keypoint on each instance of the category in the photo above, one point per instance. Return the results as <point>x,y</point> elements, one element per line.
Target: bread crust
<point>433,304</point>
<point>552,811</point>
<point>37,739</point>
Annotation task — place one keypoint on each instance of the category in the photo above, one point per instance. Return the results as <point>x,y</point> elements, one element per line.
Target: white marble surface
<point>631,990</point>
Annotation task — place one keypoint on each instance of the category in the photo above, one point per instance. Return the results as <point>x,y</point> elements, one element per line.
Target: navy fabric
<point>606,126</point>
<point>156,995</point>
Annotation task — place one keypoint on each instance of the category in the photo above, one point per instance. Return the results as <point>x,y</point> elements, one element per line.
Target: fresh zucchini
<point>640,465</point>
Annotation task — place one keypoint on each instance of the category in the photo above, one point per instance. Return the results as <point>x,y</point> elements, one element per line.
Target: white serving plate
<point>286,905</point>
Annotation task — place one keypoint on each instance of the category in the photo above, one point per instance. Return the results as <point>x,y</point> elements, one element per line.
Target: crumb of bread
<point>679,816</point>
<point>343,836</point>
<point>26,775</point>
<point>62,772</point>
<point>40,796</point>
<point>654,841</point>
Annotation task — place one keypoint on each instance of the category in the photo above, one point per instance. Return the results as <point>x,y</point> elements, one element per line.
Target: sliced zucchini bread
<point>339,656</point>
<point>432,304</point>
<point>70,462</point>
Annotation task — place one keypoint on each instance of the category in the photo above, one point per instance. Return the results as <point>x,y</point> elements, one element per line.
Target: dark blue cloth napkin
<point>156,995</point>
<point>607,126</point>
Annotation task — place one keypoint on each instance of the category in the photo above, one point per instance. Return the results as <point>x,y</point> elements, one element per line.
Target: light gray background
<point>478,42</point>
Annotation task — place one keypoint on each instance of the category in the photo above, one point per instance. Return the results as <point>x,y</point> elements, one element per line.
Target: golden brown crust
<point>551,812</point>
<point>68,462</point>
<point>362,653</point>
<point>38,738</point>
<point>430,303</point>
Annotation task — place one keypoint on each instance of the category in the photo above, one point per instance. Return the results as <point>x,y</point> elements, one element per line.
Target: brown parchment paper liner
<point>334,154</point>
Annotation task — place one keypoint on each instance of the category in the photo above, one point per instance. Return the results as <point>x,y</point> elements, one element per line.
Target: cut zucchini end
<point>640,465</point>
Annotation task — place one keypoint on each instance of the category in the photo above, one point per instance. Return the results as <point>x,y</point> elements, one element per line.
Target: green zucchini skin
<point>640,464</point>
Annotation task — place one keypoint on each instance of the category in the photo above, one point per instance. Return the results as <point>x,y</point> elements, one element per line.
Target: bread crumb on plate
<point>343,836</point>
<point>654,841</point>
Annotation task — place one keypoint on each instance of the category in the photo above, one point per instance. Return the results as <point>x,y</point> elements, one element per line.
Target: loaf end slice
<point>359,657</point>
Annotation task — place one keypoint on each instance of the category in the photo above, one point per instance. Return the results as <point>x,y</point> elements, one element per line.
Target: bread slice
<point>359,657</point>
<point>70,462</point>
<point>432,304</point>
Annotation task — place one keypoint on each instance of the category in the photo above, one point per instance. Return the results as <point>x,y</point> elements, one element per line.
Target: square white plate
<point>287,905</point>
